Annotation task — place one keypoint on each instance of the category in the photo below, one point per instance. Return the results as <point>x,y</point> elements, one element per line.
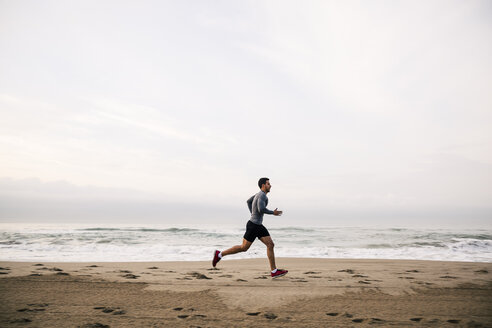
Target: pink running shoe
<point>216,258</point>
<point>279,273</point>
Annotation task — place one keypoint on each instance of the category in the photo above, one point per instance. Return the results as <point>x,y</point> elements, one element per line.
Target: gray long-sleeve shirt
<point>257,206</point>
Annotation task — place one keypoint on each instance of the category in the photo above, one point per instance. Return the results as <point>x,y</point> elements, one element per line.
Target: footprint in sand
<point>412,271</point>
<point>332,314</point>
<point>241,280</point>
<point>334,279</point>
<point>37,307</point>
<point>43,268</point>
<point>35,274</point>
<point>423,283</point>
<point>358,320</point>
<point>1,272</point>
<point>153,268</point>
<point>253,313</point>
<point>314,277</point>
<point>94,325</point>
<point>416,319</point>
<point>129,276</point>
<point>177,308</point>
<point>364,282</point>
<point>348,315</point>
<point>312,272</point>
<point>300,280</point>
<point>448,277</point>
<point>359,276</point>
<point>93,266</point>
<point>50,269</point>
<point>30,310</point>
<point>200,315</point>
<point>454,321</point>
<point>183,316</point>
<point>226,276</point>
<point>261,277</point>
<point>22,320</point>
<point>270,316</point>
<point>119,312</point>
<point>114,311</point>
<point>198,275</point>
<point>376,320</point>
<point>38,304</point>
<point>347,270</point>
<point>481,271</point>
<point>38,264</point>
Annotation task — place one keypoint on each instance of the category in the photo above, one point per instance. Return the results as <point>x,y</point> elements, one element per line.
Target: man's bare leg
<point>238,248</point>
<point>270,253</point>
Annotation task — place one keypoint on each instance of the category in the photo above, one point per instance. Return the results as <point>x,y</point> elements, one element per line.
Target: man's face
<point>267,186</point>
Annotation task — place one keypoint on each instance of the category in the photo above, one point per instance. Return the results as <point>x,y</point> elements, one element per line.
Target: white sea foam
<point>71,243</point>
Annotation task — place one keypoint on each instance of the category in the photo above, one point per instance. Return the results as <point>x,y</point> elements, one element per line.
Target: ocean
<point>122,243</point>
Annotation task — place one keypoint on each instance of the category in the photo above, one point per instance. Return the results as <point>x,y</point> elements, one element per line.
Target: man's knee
<point>270,245</point>
<point>244,248</point>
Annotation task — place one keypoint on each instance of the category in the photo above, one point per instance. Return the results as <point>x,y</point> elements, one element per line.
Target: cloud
<point>33,200</point>
<point>110,142</point>
<point>158,123</point>
<point>344,105</point>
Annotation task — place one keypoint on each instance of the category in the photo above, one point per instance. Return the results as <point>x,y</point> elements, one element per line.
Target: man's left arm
<point>250,203</point>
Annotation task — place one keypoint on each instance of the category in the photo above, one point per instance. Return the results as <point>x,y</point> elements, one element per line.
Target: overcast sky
<point>360,112</point>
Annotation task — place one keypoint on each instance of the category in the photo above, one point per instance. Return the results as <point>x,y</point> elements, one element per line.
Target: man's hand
<point>277,213</point>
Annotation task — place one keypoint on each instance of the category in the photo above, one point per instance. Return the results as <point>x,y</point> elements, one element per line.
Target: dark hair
<point>262,181</point>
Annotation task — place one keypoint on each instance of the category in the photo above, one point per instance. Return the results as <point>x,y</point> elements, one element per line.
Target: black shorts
<point>255,230</point>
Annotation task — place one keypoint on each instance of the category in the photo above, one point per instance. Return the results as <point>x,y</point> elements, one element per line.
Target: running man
<point>254,228</point>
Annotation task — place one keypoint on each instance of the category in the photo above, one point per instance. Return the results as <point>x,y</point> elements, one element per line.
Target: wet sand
<point>240,293</point>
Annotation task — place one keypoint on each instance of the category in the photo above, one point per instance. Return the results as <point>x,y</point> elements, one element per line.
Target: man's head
<point>264,184</point>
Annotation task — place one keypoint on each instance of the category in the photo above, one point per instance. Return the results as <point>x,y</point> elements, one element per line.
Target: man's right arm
<point>250,203</point>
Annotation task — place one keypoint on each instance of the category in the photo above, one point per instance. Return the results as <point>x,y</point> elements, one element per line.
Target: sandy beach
<point>240,293</point>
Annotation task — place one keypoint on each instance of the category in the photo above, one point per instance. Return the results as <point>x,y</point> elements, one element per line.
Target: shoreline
<point>315,292</point>
<point>246,259</point>
<point>169,243</point>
